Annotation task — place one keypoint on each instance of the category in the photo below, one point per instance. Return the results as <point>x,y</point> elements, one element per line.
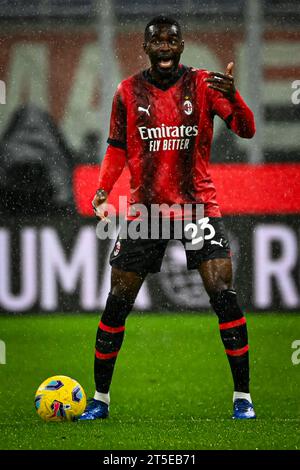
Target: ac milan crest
<point>187,107</point>
<point>117,248</point>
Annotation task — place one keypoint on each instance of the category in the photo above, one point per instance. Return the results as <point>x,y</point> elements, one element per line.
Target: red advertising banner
<point>241,188</point>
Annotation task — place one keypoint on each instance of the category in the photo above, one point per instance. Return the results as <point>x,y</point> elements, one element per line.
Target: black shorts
<point>146,255</point>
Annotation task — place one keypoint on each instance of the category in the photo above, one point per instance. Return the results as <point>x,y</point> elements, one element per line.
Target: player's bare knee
<point>124,293</point>
<point>217,285</point>
<point>126,285</point>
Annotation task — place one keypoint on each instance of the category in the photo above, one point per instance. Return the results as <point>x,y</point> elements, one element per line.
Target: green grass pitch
<point>172,387</point>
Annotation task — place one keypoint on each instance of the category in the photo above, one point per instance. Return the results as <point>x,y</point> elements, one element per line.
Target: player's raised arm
<point>228,103</point>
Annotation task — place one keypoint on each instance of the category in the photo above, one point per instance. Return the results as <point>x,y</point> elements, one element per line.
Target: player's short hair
<point>162,19</point>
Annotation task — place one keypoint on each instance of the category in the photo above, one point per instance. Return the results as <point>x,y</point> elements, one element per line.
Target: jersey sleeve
<point>237,114</point>
<point>111,167</point>
<point>118,121</point>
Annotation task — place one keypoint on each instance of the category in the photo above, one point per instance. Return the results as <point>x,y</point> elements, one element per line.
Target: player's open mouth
<point>165,63</point>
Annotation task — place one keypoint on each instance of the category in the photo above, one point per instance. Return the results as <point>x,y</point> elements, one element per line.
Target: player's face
<point>164,46</point>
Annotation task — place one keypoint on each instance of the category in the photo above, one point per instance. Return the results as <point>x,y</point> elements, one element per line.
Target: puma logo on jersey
<point>213,242</point>
<point>144,110</point>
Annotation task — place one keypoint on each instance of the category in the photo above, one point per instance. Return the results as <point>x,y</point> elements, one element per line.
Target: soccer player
<point>162,127</point>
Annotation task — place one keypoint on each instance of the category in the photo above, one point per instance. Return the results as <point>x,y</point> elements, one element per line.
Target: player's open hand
<point>100,206</point>
<point>223,82</point>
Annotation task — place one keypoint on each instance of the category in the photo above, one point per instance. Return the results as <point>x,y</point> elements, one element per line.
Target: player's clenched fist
<point>99,204</point>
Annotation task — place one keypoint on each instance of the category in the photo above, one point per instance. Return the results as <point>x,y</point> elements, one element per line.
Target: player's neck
<point>164,82</point>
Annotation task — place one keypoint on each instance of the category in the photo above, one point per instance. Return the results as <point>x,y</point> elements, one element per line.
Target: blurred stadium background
<point>60,62</point>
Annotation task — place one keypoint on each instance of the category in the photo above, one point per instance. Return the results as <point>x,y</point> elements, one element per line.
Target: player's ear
<point>182,45</point>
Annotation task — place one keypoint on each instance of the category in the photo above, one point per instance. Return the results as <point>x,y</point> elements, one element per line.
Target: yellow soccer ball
<point>60,398</point>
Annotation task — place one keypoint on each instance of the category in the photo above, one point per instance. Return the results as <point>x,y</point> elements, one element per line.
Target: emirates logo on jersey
<point>168,137</point>
<point>187,107</point>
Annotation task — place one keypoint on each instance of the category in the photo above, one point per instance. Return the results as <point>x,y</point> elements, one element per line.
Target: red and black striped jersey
<point>166,134</point>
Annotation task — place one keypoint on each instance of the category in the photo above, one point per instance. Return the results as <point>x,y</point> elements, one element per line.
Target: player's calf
<point>109,340</point>
<point>233,331</point>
